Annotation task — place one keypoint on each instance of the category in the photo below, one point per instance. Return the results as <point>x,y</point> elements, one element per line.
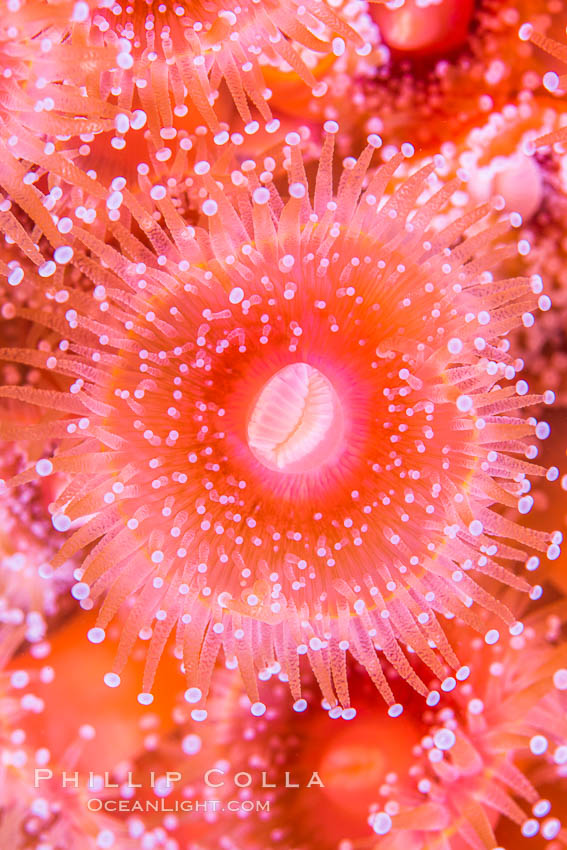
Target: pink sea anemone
<point>451,64</point>
<point>295,763</point>
<point>45,65</point>
<point>176,56</point>
<point>288,432</point>
<point>481,764</point>
<point>470,776</point>
<point>503,162</point>
<point>94,90</point>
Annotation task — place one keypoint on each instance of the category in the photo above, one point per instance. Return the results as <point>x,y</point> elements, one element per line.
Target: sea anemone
<point>470,773</point>
<point>288,432</point>
<point>502,162</point>
<point>121,87</point>
<point>451,63</point>
<point>45,65</point>
<point>435,71</point>
<point>294,763</point>
<point>174,53</point>
<point>469,765</point>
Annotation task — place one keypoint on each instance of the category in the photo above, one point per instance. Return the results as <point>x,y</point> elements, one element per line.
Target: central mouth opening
<point>297,422</point>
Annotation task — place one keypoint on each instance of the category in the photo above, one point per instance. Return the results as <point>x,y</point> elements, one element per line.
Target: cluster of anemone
<point>469,768</point>
<point>277,352</point>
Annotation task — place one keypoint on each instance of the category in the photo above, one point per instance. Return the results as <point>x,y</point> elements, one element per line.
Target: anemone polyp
<point>486,753</point>
<point>286,431</point>
<point>298,760</point>
<point>503,165</point>
<point>472,765</point>
<point>500,160</point>
<point>452,63</point>
<point>45,68</point>
<point>178,54</point>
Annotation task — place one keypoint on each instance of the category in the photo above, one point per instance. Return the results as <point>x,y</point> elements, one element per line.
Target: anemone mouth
<point>353,766</point>
<point>296,423</point>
